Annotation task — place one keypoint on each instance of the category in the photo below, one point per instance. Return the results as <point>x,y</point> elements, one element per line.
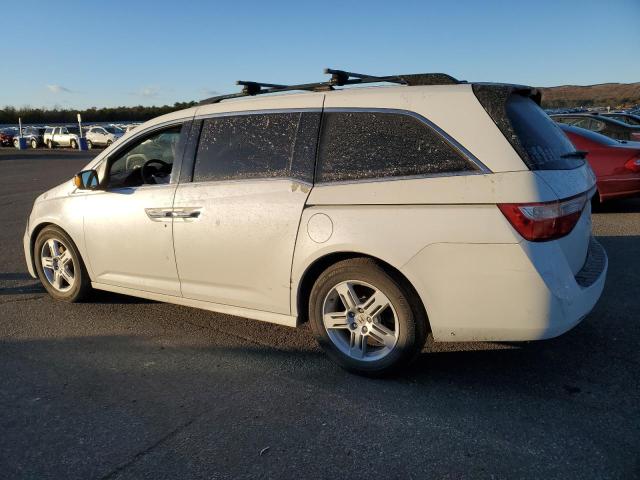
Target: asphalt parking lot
<point>127,388</point>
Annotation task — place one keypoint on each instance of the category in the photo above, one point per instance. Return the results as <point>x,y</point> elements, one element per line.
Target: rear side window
<point>365,145</point>
<point>269,145</point>
<point>545,145</point>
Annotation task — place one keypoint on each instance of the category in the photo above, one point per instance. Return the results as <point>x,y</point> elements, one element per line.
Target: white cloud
<point>148,92</point>
<point>58,89</point>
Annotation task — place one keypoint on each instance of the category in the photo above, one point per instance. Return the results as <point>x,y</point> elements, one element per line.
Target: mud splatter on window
<point>362,145</point>
<point>268,145</point>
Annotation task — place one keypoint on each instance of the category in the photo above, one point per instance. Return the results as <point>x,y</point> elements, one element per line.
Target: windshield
<point>546,146</point>
<point>626,119</point>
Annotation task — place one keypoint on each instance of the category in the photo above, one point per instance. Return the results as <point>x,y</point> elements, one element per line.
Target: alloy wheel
<point>58,265</point>
<point>360,320</point>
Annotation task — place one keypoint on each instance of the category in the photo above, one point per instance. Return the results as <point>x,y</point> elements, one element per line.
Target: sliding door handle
<point>195,214</point>
<point>186,213</point>
<point>159,214</point>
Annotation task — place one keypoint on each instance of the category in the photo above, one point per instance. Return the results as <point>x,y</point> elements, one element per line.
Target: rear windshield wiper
<point>576,154</point>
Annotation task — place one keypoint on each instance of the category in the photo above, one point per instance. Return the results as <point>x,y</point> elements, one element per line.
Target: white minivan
<point>378,214</point>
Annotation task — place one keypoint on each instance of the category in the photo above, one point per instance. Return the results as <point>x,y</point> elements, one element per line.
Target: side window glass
<point>148,161</point>
<point>597,125</point>
<point>270,145</point>
<point>363,145</point>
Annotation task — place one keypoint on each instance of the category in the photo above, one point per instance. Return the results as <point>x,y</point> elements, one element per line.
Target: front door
<point>235,225</point>
<point>128,225</point>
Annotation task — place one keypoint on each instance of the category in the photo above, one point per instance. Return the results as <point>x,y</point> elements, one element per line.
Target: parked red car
<point>615,163</point>
<point>6,138</point>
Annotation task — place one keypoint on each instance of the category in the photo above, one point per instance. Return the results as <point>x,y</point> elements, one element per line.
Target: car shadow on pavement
<point>627,205</point>
<point>103,297</point>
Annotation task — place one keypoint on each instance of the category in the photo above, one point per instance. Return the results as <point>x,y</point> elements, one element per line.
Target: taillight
<point>543,221</point>
<point>635,135</point>
<point>633,165</point>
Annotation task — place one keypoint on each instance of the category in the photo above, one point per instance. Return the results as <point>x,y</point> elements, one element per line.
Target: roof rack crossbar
<point>339,78</point>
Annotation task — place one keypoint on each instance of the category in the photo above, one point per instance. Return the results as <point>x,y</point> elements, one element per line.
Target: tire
<point>34,143</point>
<point>359,339</point>
<point>65,276</point>
<point>109,142</point>
<point>89,144</point>
<point>16,144</point>
<point>596,204</point>
<point>49,144</point>
<point>73,144</point>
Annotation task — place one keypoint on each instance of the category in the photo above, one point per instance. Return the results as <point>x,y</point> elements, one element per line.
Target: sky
<point>79,54</point>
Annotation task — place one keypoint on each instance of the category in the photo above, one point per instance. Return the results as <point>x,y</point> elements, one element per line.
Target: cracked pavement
<point>122,388</point>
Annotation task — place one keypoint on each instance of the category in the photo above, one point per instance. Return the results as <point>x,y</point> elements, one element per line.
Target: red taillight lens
<point>543,221</point>
<point>633,165</point>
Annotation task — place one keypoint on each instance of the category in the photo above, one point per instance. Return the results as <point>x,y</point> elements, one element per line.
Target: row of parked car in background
<point>64,136</point>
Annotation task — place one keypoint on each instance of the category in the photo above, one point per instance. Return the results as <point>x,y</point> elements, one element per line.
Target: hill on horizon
<point>614,95</point>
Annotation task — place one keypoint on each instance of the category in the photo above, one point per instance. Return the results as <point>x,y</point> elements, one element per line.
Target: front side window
<point>149,161</point>
<point>364,145</point>
<point>269,145</point>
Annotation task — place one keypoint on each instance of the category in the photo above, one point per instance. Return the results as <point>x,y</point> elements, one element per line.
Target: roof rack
<point>339,78</point>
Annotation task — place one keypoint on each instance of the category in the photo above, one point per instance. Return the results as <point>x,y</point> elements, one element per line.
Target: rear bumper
<point>619,188</point>
<point>505,292</point>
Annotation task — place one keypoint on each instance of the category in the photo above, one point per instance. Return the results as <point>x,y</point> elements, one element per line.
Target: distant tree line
<point>114,114</point>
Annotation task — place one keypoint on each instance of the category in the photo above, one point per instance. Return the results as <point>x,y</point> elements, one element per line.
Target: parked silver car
<point>103,136</point>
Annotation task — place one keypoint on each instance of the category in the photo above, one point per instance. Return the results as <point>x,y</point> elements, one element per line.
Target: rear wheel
<point>363,318</point>
<point>34,143</point>
<point>16,143</point>
<point>89,144</point>
<point>49,144</point>
<point>59,266</point>
<point>109,142</point>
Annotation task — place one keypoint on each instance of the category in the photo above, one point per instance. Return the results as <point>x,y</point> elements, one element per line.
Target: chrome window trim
<point>257,179</point>
<point>452,142</point>
<point>266,111</point>
<point>482,169</point>
<point>403,177</point>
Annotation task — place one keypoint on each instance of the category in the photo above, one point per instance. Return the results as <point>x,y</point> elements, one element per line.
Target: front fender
<point>66,213</point>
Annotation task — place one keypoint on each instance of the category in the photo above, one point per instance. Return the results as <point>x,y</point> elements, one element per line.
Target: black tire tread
<point>404,302</point>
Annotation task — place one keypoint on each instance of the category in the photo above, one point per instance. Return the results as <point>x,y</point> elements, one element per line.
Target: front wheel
<point>364,318</point>
<point>74,144</point>
<point>34,143</point>
<point>89,144</point>
<point>59,266</point>
<point>49,144</point>
<point>109,142</point>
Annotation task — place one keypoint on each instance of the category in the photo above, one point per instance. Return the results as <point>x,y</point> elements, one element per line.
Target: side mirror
<point>87,180</point>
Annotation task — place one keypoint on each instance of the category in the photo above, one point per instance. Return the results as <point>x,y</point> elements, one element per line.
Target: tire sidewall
<point>405,348</point>
<point>82,279</point>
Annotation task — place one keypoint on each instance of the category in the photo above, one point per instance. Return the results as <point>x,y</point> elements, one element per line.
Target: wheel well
<point>320,265</point>
<point>34,236</point>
